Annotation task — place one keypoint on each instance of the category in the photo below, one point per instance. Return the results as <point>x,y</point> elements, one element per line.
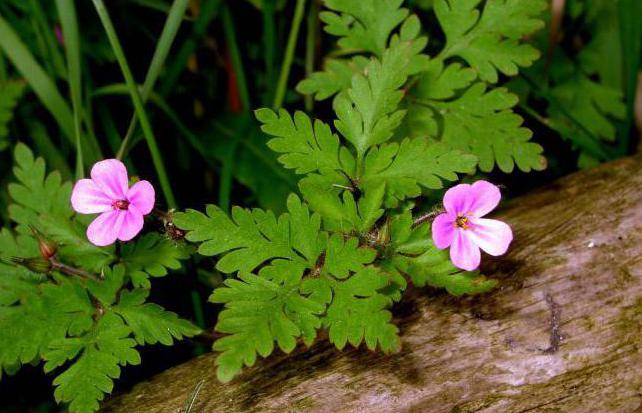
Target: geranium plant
<point>389,184</point>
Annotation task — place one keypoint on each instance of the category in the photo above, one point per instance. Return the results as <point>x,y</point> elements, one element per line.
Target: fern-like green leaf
<point>363,25</point>
<point>152,255</point>
<point>490,40</point>
<point>252,237</point>
<point>482,123</point>
<point>411,165</point>
<point>358,311</point>
<point>43,313</point>
<point>261,311</point>
<point>42,201</point>
<point>96,360</point>
<point>149,322</point>
<point>306,148</point>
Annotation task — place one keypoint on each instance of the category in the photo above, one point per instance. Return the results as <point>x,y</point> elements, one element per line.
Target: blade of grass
<point>289,55</point>
<point>42,85</point>
<point>630,15</point>
<point>173,22</point>
<point>225,179</point>
<point>209,9</point>
<point>69,23</point>
<point>235,57</point>
<point>139,106</point>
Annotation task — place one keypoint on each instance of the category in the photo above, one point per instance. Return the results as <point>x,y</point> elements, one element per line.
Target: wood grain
<point>562,334</point>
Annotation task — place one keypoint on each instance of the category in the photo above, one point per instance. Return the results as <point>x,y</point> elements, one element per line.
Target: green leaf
<point>335,77</point>
<point>490,40</point>
<point>260,311</point>
<point>327,196</point>
<point>368,114</point>
<point>306,148</point>
<point>151,323</point>
<point>43,86</point>
<point>151,255</point>
<point>44,313</point>
<point>591,104</point>
<point>358,312</point>
<point>96,358</point>
<point>411,165</point>
<point>363,25</point>
<point>108,287</point>
<point>345,256</point>
<point>43,201</point>
<point>481,123</point>
<point>251,238</point>
<point>10,93</point>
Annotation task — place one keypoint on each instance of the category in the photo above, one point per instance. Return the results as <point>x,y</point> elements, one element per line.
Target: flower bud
<point>35,264</point>
<point>47,248</point>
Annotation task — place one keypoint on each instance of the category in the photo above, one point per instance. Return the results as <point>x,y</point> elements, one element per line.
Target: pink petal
<point>111,177</point>
<point>463,252</point>
<point>143,196</point>
<point>484,198</point>
<point>443,230</point>
<point>132,224</point>
<point>491,235</point>
<point>457,199</point>
<point>104,230</point>
<point>88,198</point>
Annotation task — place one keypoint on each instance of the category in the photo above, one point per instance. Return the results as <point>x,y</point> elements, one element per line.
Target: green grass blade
<point>42,85</point>
<point>69,23</point>
<point>235,57</point>
<point>630,15</point>
<point>173,22</point>
<point>289,55</point>
<point>139,106</point>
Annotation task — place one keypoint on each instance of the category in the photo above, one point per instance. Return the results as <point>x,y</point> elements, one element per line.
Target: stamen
<point>122,204</point>
<point>462,222</point>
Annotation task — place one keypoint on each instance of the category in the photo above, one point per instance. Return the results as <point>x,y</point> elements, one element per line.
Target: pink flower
<point>463,229</point>
<point>121,208</point>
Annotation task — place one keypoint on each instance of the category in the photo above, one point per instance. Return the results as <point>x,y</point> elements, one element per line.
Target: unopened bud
<point>47,247</point>
<point>35,264</point>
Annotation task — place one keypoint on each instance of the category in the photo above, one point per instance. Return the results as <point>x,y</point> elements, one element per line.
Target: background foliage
<point>384,104</point>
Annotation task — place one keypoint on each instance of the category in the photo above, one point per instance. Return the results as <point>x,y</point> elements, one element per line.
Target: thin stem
<point>310,48</point>
<point>173,22</point>
<point>66,269</point>
<point>138,102</point>
<point>289,55</point>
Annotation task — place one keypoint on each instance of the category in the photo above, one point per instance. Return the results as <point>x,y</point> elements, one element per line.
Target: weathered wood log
<point>562,334</point>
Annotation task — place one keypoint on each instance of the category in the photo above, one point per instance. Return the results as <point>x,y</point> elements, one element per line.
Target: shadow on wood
<point>563,333</point>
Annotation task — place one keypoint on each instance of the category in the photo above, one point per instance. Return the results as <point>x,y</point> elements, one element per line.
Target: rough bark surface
<point>562,334</point>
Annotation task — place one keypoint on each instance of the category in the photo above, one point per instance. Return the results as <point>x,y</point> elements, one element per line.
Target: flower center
<point>462,222</point>
<point>122,204</point>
